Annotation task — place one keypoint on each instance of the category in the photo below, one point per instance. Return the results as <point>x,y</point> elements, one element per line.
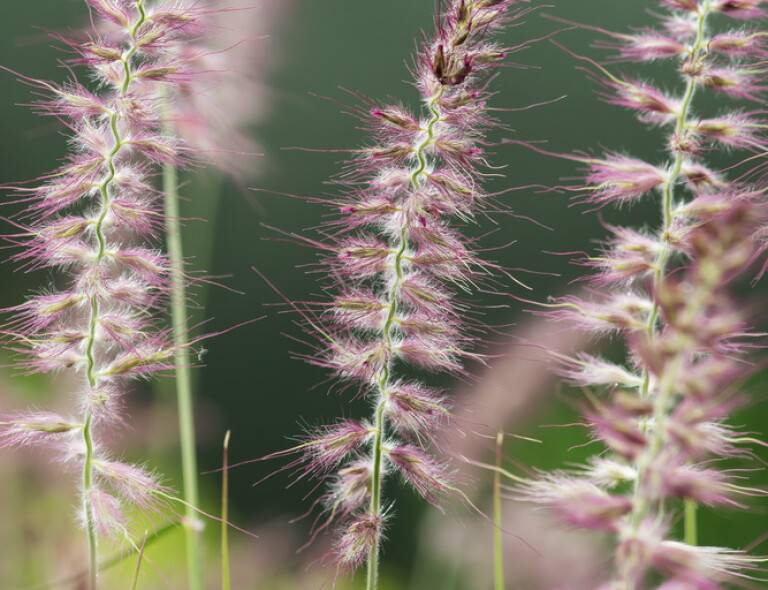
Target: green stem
<point>182,365</point>
<point>388,331</point>
<point>226,583</point>
<point>498,546</point>
<point>90,524</point>
<point>372,578</point>
<point>691,525</point>
<point>139,562</point>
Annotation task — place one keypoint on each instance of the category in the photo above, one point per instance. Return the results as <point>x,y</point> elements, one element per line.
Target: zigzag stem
<point>662,401</point>
<point>383,380</point>
<point>105,194</point>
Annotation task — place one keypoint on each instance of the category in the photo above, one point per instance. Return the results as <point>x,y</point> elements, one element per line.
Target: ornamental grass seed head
<point>396,263</point>
<point>94,220</point>
<point>663,413</point>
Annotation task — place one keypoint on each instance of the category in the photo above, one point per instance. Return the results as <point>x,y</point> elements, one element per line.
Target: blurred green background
<point>249,383</point>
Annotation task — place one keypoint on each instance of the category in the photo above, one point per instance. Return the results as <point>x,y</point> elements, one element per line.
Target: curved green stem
<point>90,524</point>
<point>388,331</point>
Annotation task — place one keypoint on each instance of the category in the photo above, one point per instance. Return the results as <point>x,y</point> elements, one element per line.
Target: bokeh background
<point>250,384</point>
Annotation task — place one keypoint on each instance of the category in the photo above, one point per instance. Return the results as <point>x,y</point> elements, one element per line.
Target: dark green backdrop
<point>250,384</point>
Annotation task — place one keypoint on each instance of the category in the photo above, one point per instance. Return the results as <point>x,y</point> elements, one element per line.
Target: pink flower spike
<point>702,439</point>
<point>358,540</point>
<point>90,219</point>
<point>685,5</point>
<point>426,295</point>
<point>588,370</point>
<point>629,256</point>
<point>136,485</point>
<point>609,473</point>
<point>650,46</point>
<point>618,429</point>
<point>359,308</point>
<point>700,566</point>
<point>75,102</point>
<point>148,357</point>
<point>353,359</point>
<point>736,82</point>
<point>150,265</point>
<point>706,486</point>
<point>621,312</point>
<point>741,9</point>
<point>397,259</point>
<point>367,210</point>
<point>651,103</point>
<point>363,256</point>
<point>681,26</point>
<point>350,488</point>
<point>434,353</point>
<point>113,10</point>
<point>39,312</point>
<point>107,514</point>
<point>739,44</point>
<point>575,501</point>
<point>736,130</point>
<point>395,117</point>
<point>621,179</point>
<point>428,477</point>
<point>701,178</point>
<point>331,444</point>
<point>34,429</point>
<point>688,349</point>
<point>415,409</point>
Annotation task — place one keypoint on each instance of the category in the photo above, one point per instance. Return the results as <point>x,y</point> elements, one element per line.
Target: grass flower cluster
<point>95,219</point>
<point>663,415</point>
<point>162,90</point>
<point>397,264</point>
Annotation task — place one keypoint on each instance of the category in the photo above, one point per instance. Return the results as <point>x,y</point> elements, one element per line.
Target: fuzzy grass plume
<point>397,264</point>
<point>95,220</point>
<point>663,415</point>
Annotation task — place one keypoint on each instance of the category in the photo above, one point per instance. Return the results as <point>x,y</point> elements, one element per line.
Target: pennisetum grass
<point>663,415</point>
<point>397,263</point>
<point>94,219</point>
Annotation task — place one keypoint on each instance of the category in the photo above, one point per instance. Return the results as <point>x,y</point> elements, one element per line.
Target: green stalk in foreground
<point>498,545</point>
<point>226,583</point>
<point>691,524</point>
<point>139,562</point>
<point>183,374</point>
